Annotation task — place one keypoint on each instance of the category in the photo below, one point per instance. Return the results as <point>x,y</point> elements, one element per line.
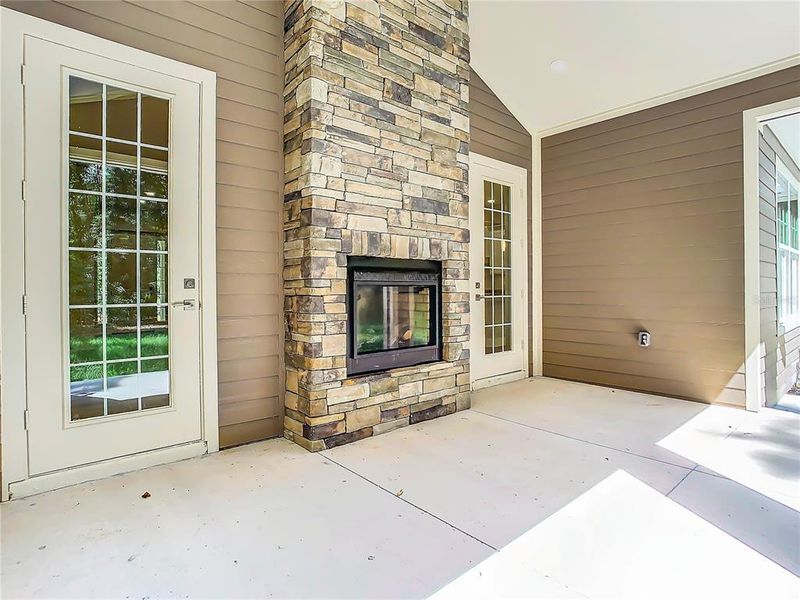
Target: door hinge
<point>22,74</point>
<point>25,419</point>
<point>23,188</point>
<point>24,304</point>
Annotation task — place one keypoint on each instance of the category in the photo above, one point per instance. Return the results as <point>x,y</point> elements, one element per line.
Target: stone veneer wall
<point>376,149</point>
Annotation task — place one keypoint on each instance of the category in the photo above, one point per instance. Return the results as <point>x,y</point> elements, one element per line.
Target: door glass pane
<point>85,106</point>
<point>118,223</point>
<point>497,267</point>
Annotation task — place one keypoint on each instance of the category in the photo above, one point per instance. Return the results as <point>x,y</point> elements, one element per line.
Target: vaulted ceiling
<point>619,53</point>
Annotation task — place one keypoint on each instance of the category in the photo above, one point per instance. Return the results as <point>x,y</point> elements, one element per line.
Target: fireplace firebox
<point>394,313</point>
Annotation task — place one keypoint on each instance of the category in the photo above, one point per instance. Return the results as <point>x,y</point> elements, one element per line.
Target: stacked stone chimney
<point>376,146</point>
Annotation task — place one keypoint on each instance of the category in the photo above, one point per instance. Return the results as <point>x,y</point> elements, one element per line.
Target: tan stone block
<point>334,345</point>
<point>427,86</point>
<point>291,401</point>
<point>381,386</point>
<point>322,420</point>
<point>335,8</point>
<point>389,426</point>
<point>410,389</point>
<point>400,246</point>
<point>310,445</point>
<point>363,417</point>
<point>362,223</point>
<point>377,191</point>
<point>438,383</point>
<point>346,393</point>
<point>293,425</point>
<point>312,89</point>
<point>379,399</point>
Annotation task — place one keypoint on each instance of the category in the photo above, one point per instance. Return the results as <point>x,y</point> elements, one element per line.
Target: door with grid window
<point>111,263</point>
<point>498,269</point>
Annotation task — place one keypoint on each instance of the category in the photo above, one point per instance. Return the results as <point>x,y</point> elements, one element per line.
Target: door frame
<point>751,121</point>
<point>14,473</point>
<point>519,175</point>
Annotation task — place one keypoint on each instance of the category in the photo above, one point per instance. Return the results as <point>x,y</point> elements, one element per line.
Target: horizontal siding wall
<point>643,229</point>
<point>496,133</point>
<point>243,43</point>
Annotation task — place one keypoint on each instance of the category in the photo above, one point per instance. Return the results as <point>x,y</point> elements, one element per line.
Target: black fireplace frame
<point>391,271</point>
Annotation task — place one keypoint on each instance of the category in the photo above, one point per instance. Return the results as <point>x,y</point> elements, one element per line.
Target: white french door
<point>111,258</point>
<point>499,274</point>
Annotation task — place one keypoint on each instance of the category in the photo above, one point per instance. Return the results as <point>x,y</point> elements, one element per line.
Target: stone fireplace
<point>376,231</point>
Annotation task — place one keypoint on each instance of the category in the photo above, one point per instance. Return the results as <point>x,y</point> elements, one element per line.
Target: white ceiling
<point>619,53</point>
<point>787,130</point>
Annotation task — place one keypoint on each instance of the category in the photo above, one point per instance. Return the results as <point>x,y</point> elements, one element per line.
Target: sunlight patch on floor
<point>623,539</point>
<point>758,450</point>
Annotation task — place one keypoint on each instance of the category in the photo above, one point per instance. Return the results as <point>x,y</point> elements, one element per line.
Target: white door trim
<point>520,258</point>
<point>751,120</point>
<point>14,27</point>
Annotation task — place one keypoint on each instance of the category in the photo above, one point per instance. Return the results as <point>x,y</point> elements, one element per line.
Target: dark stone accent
<point>430,206</point>
<point>413,247</point>
<point>436,248</point>
<point>312,349</point>
<point>319,432</point>
<point>293,17</point>
<point>394,413</point>
<point>446,80</point>
<point>432,413</point>
<point>309,304</point>
<point>397,92</point>
<point>352,135</point>
<point>357,96</point>
<point>373,243</point>
<point>346,438</point>
<point>427,35</point>
<point>377,113</point>
<point>355,31</point>
<point>437,118</point>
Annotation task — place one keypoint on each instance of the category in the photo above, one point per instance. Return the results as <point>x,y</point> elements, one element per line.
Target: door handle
<point>184,304</point>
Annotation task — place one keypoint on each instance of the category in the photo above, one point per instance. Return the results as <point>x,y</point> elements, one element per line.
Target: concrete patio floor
<point>544,489</point>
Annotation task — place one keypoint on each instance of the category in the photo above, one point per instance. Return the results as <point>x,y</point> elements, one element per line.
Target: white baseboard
<point>106,468</point>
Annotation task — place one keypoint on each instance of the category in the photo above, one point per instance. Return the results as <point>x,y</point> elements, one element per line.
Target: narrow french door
<point>498,268</point>
<point>111,258</point>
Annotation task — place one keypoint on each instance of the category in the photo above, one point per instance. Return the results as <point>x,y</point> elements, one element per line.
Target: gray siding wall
<point>496,133</point>
<point>643,229</point>
<point>243,43</point>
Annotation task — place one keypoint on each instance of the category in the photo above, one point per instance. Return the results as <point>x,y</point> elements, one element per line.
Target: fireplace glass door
<point>394,318</point>
<point>390,317</point>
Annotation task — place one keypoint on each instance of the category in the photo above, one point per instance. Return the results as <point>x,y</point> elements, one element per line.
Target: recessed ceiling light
<point>559,66</point>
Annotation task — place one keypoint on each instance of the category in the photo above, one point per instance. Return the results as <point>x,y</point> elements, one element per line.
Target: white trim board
<point>751,120</point>
<point>14,27</point>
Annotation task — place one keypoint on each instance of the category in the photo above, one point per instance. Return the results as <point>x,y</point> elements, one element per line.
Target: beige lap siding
<point>643,228</point>
<point>496,133</point>
<point>243,43</point>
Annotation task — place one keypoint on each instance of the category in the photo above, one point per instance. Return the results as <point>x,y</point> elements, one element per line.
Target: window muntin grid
<point>788,219</point>
<point>118,255</point>
<point>497,275</point>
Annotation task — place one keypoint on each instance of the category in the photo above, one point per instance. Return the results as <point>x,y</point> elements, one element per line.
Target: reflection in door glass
<point>117,207</point>
<point>497,267</point>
